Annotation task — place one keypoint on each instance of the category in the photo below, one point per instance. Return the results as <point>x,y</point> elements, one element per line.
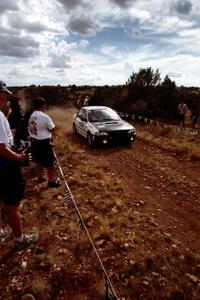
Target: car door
<point>81,122</point>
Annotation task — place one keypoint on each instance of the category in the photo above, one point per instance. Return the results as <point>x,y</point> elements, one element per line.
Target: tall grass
<point>175,139</point>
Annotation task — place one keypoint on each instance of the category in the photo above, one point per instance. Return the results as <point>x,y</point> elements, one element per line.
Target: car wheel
<point>74,129</point>
<point>90,140</point>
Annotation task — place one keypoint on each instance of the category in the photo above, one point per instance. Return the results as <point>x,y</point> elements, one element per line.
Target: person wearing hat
<point>11,180</point>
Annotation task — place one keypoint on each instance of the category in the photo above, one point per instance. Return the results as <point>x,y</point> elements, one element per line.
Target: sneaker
<point>53,184</point>
<point>28,240</point>
<point>4,233</point>
<point>41,180</point>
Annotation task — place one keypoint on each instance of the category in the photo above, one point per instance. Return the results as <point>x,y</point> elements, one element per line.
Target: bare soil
<point>141,205</point>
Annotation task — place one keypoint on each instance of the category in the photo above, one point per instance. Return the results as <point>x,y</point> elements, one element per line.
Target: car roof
<point>94,107</point>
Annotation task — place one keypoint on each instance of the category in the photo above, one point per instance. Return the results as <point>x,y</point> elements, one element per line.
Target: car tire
<point>74,129</point>
<point>90,140</point>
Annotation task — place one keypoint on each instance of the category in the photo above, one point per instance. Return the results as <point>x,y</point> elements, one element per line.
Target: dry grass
<point>186,142</point>
<point>41,288</point>
<point>111,233</point>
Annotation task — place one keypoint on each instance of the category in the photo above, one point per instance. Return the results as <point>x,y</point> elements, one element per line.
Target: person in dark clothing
<point>181,110</point>
<point>194,116</point>
<point>14,117</point>
<point>23,127</point>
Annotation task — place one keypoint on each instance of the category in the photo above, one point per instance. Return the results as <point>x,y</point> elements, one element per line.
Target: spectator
<point>182,110</point>
<point>12,183</point>
<point>194,116</point>
<point>40,129</point>
<point>79,103</point>
<point>86,101</point>
<point>14,117</point>
<point>22,134</point>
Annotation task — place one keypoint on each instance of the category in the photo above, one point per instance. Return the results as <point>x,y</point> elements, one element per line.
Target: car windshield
<point>102,115</point>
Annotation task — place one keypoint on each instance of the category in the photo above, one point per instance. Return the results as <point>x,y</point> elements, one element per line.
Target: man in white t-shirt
<point>86,101</point>
<point>11,180</point>
<point>40,129</point>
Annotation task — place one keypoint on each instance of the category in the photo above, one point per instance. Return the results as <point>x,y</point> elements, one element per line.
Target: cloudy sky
<point>98,42</point>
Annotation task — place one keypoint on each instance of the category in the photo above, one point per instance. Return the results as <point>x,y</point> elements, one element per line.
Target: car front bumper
<point>116,137</point>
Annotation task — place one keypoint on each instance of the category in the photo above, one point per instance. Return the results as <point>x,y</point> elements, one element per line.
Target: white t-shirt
<point>6,136</point>
<point>86,101</point>
<point>39,125</point>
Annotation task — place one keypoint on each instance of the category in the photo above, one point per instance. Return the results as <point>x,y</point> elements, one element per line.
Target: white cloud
<point>108,50</point>
<point>98,42</point>
<point>23,24</point>
<point>84,43</point>
<point>61,62</point>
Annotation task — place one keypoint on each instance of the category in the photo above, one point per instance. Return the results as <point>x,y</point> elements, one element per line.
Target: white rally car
<point>101,124</point>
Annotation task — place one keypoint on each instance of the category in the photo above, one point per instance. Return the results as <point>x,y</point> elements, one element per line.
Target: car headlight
<point>104,134</point>
<point>101,133</point>
<point>131,131</point>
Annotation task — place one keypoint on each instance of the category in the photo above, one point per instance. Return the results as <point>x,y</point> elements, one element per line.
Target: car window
<point>79,113</point>
<point>82,114</point>
<point>102,115</point>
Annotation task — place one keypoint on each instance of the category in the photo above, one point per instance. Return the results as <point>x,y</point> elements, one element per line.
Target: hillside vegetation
<point>144,93</point>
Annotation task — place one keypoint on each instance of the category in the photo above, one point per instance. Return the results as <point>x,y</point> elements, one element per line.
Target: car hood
<point>113,125</point>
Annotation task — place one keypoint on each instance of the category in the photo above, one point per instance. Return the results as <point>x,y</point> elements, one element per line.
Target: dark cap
<point>3,87</point>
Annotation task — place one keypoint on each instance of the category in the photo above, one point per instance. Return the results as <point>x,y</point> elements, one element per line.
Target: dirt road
<point>168,185</point>
<point>141,206</point>
<point>157,206</point>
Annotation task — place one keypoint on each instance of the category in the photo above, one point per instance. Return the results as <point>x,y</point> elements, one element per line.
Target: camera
<point>23,146</point>
<point>26,162</point>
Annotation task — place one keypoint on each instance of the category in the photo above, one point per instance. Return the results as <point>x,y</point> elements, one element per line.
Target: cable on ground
<point>68,197</point>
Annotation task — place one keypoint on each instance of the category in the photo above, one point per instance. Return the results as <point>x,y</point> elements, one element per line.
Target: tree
<point>145,78</point>
<point>99,97</point>
<point>143,87</point>
<point>168,98</point>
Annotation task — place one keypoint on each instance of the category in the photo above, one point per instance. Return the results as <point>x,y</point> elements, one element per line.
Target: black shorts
<point>12,183</point>
<point>42,152</point>
<point>181,117</point>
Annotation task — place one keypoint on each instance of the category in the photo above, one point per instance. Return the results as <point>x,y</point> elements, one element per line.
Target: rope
<point>69,197</point>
